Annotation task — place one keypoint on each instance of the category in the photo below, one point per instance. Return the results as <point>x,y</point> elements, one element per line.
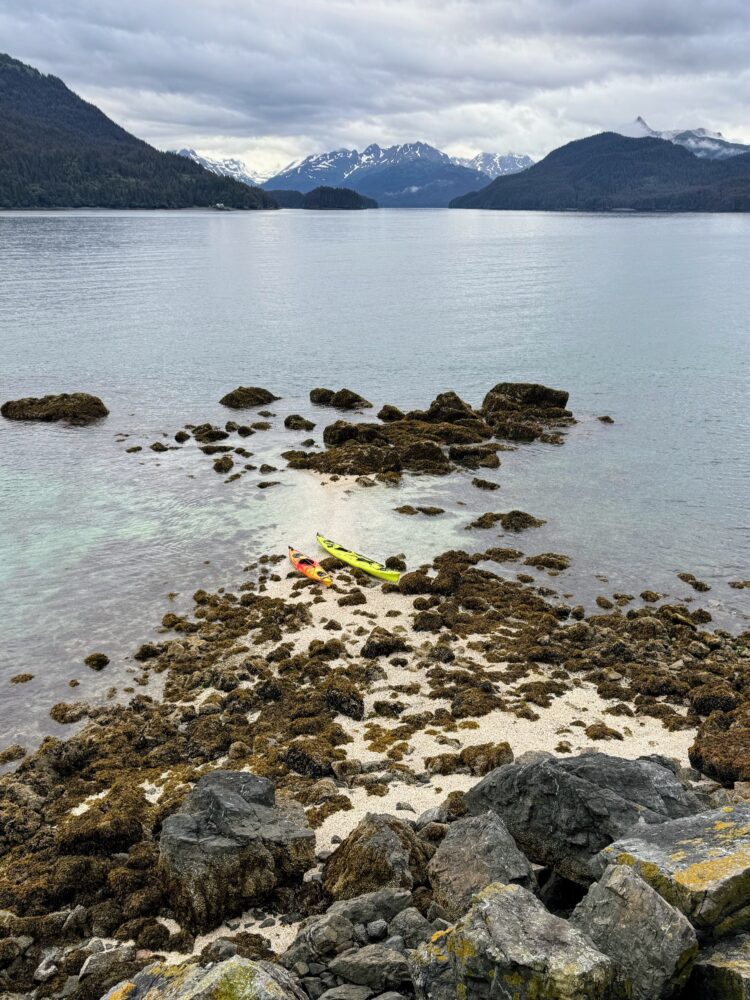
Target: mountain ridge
<point>611,172</point>
<point>413,174</point>
<point>59,151</point>
<point>700,141</point>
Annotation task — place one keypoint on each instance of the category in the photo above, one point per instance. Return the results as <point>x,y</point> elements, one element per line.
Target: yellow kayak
<point>359,562</point>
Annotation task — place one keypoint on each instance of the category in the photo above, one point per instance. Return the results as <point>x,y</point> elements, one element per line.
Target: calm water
<point>645,318</point>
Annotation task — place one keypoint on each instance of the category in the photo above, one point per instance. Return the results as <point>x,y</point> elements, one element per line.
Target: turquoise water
<point>645,318</point>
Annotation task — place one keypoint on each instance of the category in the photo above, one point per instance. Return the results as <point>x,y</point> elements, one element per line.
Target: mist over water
<point>646,318</point>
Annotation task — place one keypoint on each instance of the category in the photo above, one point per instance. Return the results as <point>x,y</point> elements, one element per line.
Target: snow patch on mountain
<point>225,168</point>
<point>496,164</point>
<point>700,141</point>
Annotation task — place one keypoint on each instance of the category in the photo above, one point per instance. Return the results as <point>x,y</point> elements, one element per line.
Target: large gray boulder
<point>700,864</point>
<point>563,811</point>
<point>236,978</point>
<point>508,945</point>
<point>475,852</point>
<point>376,965</point>
<point>381,851</point>
<point>229,846</point>
<point>651,944</point>
<point>722,972</point>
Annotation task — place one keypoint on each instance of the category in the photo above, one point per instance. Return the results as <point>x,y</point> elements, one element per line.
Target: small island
<point>323,198</point>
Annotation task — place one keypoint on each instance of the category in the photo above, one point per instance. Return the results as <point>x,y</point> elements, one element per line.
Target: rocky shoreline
<point>374,791</point>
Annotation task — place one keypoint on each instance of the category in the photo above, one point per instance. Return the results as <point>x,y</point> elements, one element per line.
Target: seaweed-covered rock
<point>722,972</point>
<point>474,853</point>
<point>651,944</point>
<point>229,846</point>
<point>235,979</point>
<point>380,851</point>
<point>700,864</point>
<point>296,422</point>
<point>72,407</point>
<point>381,642</point>
<point>562,812</point>
<point>247,396</point>
<point>344,399</point>
<point>523,395</point>
<point>508,945</point>
<point>721,748</point>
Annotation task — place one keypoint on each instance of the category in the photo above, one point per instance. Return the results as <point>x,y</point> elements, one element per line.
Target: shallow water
<point>645,318</point>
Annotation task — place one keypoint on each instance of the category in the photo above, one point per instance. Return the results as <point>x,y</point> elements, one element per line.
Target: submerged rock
<point>229,846</point>
<point>508,945</point>
<point>651,944</point>
<point>475,852</point>
<point>699,864</point>
<point>235,979</point>
<point>562,812</point>
<point>73,407</point>
<point>247,396</point>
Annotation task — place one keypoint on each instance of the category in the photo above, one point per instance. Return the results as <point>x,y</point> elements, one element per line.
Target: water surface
<point>641,317</point>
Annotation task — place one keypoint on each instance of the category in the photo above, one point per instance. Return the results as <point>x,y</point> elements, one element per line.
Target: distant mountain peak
<point>700,141</point>
<point>223,168</point>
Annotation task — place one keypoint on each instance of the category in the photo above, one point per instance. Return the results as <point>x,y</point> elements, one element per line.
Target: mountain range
<point>413,174</point>
<point>59,151</point>
<point>611,172</point>
<point>702,143</point>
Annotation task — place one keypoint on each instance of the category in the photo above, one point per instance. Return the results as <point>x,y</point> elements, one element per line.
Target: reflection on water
<point>161,313</point>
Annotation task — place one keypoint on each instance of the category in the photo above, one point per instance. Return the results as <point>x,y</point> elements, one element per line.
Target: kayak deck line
<point>358,561</point>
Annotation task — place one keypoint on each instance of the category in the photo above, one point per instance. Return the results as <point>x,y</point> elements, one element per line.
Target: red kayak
<point>309,568</point>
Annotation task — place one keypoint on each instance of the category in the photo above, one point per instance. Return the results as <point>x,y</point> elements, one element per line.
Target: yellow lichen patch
<point>122,991</point>
<point>702,875</point>
<point>461,948</point>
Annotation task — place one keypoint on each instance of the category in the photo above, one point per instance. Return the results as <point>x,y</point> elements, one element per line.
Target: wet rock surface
<point>229,846</point>
<point>247,397</point>
<point>71,407</point>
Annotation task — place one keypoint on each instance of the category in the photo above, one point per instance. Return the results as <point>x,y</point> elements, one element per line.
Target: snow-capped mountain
<point>409,174</point>
<point>701,142</point>
<point>225,168</point>
<point>496,164</point>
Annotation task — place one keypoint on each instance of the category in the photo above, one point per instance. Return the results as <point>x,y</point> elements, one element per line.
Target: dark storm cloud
<point>272,80</point>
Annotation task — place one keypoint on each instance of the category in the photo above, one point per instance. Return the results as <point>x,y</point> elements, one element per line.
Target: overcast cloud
<point>271,81</point>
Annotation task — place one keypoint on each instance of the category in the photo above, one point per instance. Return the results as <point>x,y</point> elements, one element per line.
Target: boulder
<point>651,944</point>
<point>296,422</point>
<point>699,864</point>
<point>508,945</point>
<point>722,972</point>
<point>562,811</point>
<point>247,396</point>
<point>376,965</point>
<point>381,642</point>
<point>235,979</point>
<point>229,845</point>
<point>474,853</point>
<point>347,399</point>
<point>72,407</point>
<point>381,851</point>
<point>523,396</point>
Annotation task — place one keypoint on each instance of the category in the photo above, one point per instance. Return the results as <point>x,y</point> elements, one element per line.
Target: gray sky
<point>271,81</point>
